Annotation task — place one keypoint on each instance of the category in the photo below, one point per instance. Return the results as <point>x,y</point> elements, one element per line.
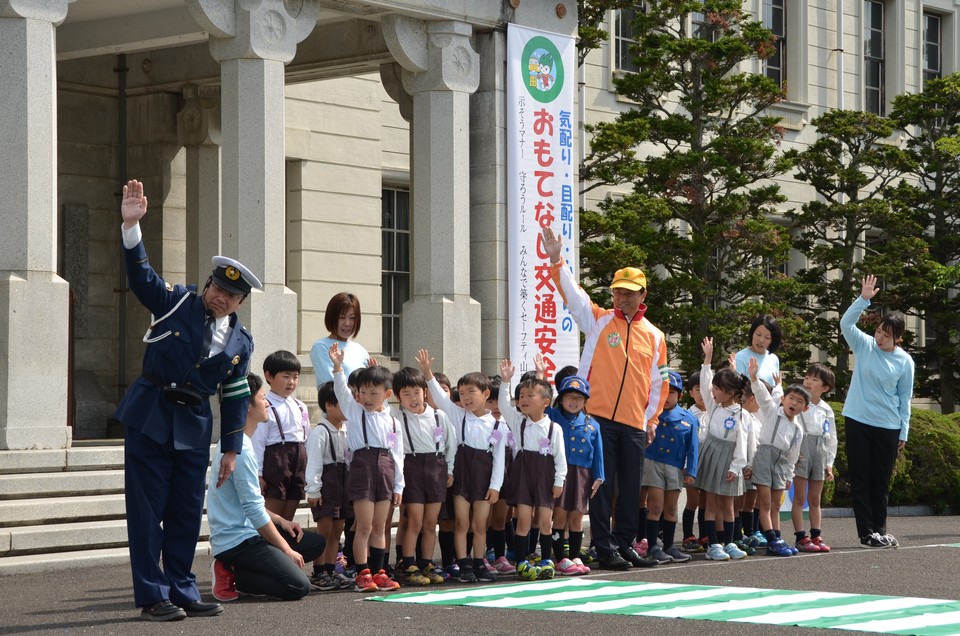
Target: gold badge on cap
<point>236,360</point>
<point>232,273</point>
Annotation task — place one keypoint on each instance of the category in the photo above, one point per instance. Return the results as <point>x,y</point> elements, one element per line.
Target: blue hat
<point>232,276</point>
<point>676,382</point>
<point>574,383</point>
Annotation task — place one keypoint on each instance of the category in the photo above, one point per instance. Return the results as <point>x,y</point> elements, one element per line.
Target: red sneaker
<point>364,581</point>
<point>818,541</point>
<point>224,582</point>
<point>807,545</point>
<point>384,582</point>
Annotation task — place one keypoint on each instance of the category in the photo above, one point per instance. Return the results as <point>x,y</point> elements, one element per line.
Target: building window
<point>874,57</point>
<point>623,41</point>
<point>395,265</point>
<point>775,17</point>
<point>702,28</point>
<point>932,47</point>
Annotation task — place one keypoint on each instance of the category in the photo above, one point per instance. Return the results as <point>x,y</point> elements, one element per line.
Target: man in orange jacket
<point>625,360</point>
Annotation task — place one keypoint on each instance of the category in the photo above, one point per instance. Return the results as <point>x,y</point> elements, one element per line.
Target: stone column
<point>34,300</point>
<point>253,41</point>
<point>198,130</point>
<point>440,71</point>
<point>488,197</point>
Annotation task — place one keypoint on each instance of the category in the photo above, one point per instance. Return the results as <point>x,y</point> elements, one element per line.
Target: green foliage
<point>931,197</point>
<point>851,228</point>
<point>698,218</point>
<point>927,471</point>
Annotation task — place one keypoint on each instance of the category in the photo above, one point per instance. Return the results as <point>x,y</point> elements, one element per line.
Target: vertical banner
<point>541,72</point>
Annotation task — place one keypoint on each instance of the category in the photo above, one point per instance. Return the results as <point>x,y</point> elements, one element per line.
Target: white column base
<point>34,323</point>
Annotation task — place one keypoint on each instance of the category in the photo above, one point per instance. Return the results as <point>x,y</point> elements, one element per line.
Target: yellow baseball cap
<point>631,278</point>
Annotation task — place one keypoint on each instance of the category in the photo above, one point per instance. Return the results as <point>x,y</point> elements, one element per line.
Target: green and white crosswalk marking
<point>827,610</point>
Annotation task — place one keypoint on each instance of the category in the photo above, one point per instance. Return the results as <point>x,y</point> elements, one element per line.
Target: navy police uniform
<point>168,425</point>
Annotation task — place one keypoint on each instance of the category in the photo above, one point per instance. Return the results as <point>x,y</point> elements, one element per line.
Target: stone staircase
<point>63,509</point>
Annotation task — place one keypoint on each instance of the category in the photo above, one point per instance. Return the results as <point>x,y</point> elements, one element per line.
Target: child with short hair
<point>280,441</point>
<point>723,455</point>
<point>817,452</point>
<point>694,494</point>
<point>478,467</point>
<point>539,467</point>
<point>326,490</point>
<point>500,531</point>
<point>430,446</point>
<point>670,462</point>
<point>375,455</point>
<point>778,448</point>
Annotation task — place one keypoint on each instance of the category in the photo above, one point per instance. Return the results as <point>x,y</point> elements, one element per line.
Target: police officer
<point>195,344</point>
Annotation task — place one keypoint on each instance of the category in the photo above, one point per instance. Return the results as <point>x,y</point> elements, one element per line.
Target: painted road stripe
<point>911,623</point>
<point>854,607</point>
<point>554,596</point>
<point>881,614</point>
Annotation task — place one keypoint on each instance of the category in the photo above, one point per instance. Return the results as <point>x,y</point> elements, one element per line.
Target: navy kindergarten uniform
<point>168,420</point>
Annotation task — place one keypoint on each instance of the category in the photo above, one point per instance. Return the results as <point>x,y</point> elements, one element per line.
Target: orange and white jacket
<point>624,361</point>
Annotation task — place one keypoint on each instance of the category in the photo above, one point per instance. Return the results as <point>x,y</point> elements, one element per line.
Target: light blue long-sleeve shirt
<point>236,509</point>
<point>882,383</point>
<point>767,362</point>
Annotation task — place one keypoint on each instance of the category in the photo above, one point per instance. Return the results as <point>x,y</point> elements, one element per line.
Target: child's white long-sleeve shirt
<point>429,432</point>
<point>382,429</point>
<point>535,435</point>
<point>820,421</point>
<point>326,444</point>
<point>293,425</point>
<point>776,429</point>
<point>724,422</point>
<point>475,431</point>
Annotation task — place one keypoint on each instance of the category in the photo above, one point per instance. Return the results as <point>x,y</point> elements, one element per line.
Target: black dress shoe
<point>162,611</point>
<point>613,561</point>
<point>199,608</point>
<point>636,560</point>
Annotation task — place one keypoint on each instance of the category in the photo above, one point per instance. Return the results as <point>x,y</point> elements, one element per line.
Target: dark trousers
<point>871,454</point>
<point>261,568</point>
<point>623,466</point>
<point>164,491</point>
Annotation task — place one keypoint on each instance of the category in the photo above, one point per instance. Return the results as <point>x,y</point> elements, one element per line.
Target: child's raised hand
<point>506,369</point>
<point>707,346</point>
<point>868,287</point>
<point>336,357</point>
<point>372,362</point>
<point>425,362</point>
<point>552,244</point>
<point>776,379</point>
<point>540,366</point>
<point>752,367</point>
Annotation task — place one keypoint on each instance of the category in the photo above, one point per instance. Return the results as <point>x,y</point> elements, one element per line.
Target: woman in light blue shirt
<point>877,414</point>
<point>342,320</point>
<point>765,337</point>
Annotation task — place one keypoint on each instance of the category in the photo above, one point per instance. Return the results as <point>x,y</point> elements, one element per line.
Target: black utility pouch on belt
<point>182,396</point>
<point>177,394</point>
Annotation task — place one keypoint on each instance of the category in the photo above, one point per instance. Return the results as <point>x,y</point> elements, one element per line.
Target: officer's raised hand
<point>134,203</point>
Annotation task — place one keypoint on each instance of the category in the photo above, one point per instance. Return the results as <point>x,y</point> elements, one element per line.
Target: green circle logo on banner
<point>544,69</point>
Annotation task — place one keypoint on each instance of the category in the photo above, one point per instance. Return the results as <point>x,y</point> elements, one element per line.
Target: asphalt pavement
<point>97,600</point>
